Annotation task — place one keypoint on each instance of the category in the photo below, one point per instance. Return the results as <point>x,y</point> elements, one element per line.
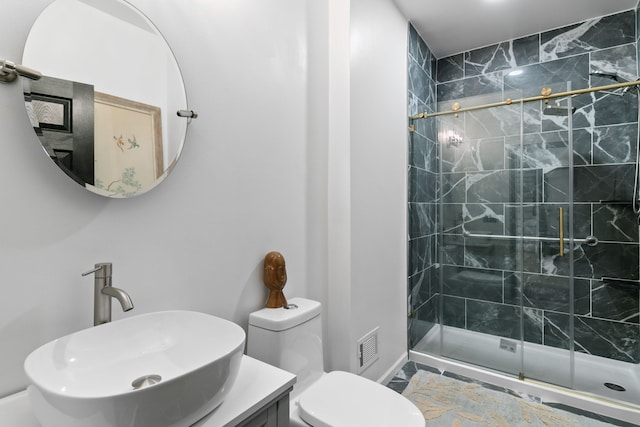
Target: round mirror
<point>106,108</point>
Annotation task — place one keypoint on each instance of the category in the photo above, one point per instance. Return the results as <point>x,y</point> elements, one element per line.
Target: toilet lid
<point>342,399</point>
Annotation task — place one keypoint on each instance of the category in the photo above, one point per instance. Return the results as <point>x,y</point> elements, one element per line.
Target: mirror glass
<point>106,107</point>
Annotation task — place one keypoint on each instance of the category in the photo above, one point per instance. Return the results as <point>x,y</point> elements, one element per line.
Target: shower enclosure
<point>523,241</point>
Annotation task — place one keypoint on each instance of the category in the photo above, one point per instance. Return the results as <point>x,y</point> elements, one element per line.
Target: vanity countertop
<point>257,384</point>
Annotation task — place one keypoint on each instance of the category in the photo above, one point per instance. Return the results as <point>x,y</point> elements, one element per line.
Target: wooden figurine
<point>275,277</point>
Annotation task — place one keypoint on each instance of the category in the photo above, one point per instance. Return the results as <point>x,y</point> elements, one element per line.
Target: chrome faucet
<point>103,293</point>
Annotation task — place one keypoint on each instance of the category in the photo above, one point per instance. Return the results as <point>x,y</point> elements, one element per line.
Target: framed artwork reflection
<point>128,150</point>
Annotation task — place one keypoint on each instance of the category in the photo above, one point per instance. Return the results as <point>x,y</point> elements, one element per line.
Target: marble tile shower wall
<point>481,157</point>
<point>423,190</point>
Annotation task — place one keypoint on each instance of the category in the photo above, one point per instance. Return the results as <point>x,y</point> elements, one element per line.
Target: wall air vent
<point>367,350</point>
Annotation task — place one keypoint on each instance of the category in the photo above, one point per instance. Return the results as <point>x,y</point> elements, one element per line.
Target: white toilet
<point>291,339</point>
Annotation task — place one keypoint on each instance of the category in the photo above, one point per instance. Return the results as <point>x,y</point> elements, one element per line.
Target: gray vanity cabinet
<point>273,414</point>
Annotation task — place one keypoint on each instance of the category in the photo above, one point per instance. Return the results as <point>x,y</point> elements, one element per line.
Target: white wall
<point>367,182</point>
<point>253,177</point>
<point>378,176</point>
<point>198,240</point>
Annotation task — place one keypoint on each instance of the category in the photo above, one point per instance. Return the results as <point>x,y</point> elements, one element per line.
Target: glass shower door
<point>546,286</point>
<point>505,225</point>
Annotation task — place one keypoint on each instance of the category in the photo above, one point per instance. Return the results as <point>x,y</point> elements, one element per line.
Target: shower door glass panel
<point>548,229</point>
<point>607,307</point>
<point>503,172</point>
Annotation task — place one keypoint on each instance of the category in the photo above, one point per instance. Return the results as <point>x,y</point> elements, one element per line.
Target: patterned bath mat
<point>446,401</point>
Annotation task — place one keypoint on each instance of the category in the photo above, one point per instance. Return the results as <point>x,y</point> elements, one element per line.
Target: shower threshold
<point>543,366</point>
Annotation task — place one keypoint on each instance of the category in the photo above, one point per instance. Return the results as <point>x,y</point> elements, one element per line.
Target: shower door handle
<point>561,230</point>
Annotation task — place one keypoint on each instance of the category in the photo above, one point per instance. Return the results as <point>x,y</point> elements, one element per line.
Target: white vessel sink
<point>87,379</point>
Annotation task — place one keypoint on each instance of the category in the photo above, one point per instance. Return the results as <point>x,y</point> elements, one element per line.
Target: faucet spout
<point>103,292</point>
<point>120,295</point>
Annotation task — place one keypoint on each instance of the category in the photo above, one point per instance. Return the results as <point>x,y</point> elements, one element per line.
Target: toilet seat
<point>342,399</point>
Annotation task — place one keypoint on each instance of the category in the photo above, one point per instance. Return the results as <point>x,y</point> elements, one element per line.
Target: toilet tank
<point>290,339</point>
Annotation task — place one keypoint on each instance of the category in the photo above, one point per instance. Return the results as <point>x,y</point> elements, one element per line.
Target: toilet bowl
<point>291,339</point>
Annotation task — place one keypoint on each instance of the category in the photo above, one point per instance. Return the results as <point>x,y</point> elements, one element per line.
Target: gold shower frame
<point>546,95</point>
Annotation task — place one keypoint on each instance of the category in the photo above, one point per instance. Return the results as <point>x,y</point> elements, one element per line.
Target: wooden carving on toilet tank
<point>275,277</point>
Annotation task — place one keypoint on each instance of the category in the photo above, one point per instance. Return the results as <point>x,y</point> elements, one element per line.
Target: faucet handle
<point>105,266</point>
<point>86,273</point>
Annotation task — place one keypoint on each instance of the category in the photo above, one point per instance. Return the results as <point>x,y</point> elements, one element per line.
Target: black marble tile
<point>513,288</point>
<point>583,106</point>
<point>492,187</point>
<point>495,319</point>
<point>618,60</point>
<point>556,330</point>
<point>419,83</point>
<point>504,186</point>
<point>421,254</point>
<point>530,253</point>
<point>613,340</point>
<point>418,150</point>
<point>451,140</point>
<point>611,183</point>
<point>616,300</point>
<point>484,218</point>
<point>486,84</point>
<point>423,153</point>
<point>533,325</point>
<point>425,127</point>
<point>552,74</point>
<point>504,320</point>
<point>453,311</point>
<point>615,223</point>
<point>502,254</point>
<point>416,106</point>
<point>424,319</point>
<point>615,260</point>
<point>452,250</point>
<point>419,289</point>
<point>637,22</point>
<point>485,285</point>
<point>582,296</point>
<point>422,186</point>
<point>543,220</point>
<point>417,330</point>
<point>420,52</point>
<point>548,150</point>
<point>452,218</point>
<point>431,129</point>
<point>606,183</point>
<point>450,68</point>
<point>453,187</point>
<point>614,109</point>
<point>475,155</point>
<point>505,55</point>
<point>494,122</point>
<point>615,144</point>
<point>588,36</point>
<point>548,292</point>
<point>582,147</point>
<point>422,219</point>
